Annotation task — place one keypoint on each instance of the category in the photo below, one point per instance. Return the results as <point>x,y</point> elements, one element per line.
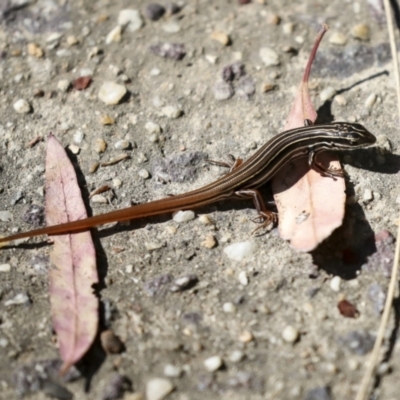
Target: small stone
<point>174,51</point>
<point>236,356</point>
<point>78,137</point>
<point>183,283</point>
<point>361,32</point>
<point>152,127</point>
<point>246,337</point>
<point>273,19</point>
<point>154,11</point>
<point>130,18</point>
<point>213,363</point>
<point>240,251</point>
<point>371,100</point>
<point>229,307</point>
<point>269,57</point>
<point>171,112</point>
<point>184,216</point>
<point>171,27</point>
<point>341,100</point>
<point>158,388</point>
<point>74,149</point>
<point>98,198</point>
<point>111,93</point>
<point>122,144</point>
<point>288,28</point>
<point>243,279</point>
<point>335,283</point>
<point>221,37</point>
<point>21,106</point>
<point>5,267</point>
<point>129,269</point>
<point>144,174</point>
<point>72,40</point>
<point>212,59</point>
<point>114,389</point>
<point>6,216</point>
<point>99,145</point>
<point>206,220</point>
<point>172,371</point>
<point>290,334</point>
<point>82,82</point>
<point>367,196</point>
<point>111,343</point>
<point>107,120</point>
<point>267,86</point>
<point>209,242</point>
<point>93,167</point>
<point>63,85</point>
<point>35,50</point>
<point>338,39</point>
<point>327,93</point>
<point>246,87</point>
<point>20,298</point>
<point>223,91</point>
<point>114,35</point>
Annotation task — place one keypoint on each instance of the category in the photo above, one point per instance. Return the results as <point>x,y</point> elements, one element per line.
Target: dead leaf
<point>73,271</point>
<point>310,205</point>
<point>348,309</point>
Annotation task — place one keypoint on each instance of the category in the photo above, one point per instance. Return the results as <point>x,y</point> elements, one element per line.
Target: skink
<point>243,179</point>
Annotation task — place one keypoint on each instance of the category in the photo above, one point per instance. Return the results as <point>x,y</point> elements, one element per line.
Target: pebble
<point>371,100</point>
<point>288,28</point>
<point>63,85</point>
<point>154,11</point>
<point>78,137</point>
<point>172,371</point>
<point>327,93</point>
<point>107,120</point>
<point>223,91</point>
<point>367,196</point>
<point>341,100</point>
<point>269,57</point>
<point>122,144</point>
<point>98,198</point>
<point>99,145</point>
<point>338,39</point>
<point>267,86</point>
<point>221,37</point>
<point>158,388</point>
<point>171,112</point>
<point>150,246</point>
<point>171,27</point>
<point>72,40</point>
<point>74,149</point>
<point>111,343</point>
<point>184,282</point>
<point>290,334</point>
<point>213,363</point>
<point>361,32</point>
<point>152,127</point>
<point>335,283</point>
<point>273,19</point>
<point>240,251</point>
<point>144,174</point>
<point>21,106</point>
<point>111,93</point>
<point>209,242</point>
<point>243,278</point>
<point>184,216</point>
<point>174,51</point>
<point>246,337</point>
<point>131,18</point>
<point>20,298</point>
<point>212,59</point>
<point>93,167</point>
<point>206,220</point>
<point>155,72</point>
<point>229,307</point>
<point>114,35</point>
<point>129,269</point>
<point>5,216</point>
<point>5,267</point>
<point>35,50</point>
<point>236,356</point>
<point>246,87</point>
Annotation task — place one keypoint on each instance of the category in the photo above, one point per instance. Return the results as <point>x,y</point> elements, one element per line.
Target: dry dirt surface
<point>205,79</point>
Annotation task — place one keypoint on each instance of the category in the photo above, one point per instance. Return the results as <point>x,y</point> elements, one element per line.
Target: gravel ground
<point>207,78</point>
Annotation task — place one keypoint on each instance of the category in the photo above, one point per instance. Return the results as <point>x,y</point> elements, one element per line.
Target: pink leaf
<point>73,269</point>
<point>310,205</point>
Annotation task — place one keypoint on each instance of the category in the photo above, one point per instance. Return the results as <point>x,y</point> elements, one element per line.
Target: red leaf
<point>310,205</point>
<point>73,269</point>
<point>347,309</point>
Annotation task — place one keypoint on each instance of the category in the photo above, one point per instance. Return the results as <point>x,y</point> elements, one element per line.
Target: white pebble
<point>131,18</point>
<point>150,246</point>
<point>335,283</point>
<point>98,198</point>
<point>367,196</point>
<point>171,27</point>
<point>114,35</point>
<point>269,57</point>
<point>229,307</point>
<point>338,38</point>
<point>158,388</point>
<point>5,267</point>
<point>172,371</point>
<point>236,356</point>
<point>74,148</point>
<point>21,106</point>
<point>78,137</point>
<point>184,216</point>
<point>63,85</point>
<point>327,93</point>
<point>152,127</point>
<point>341,100</point>
<point>117,183</point>
<point>288,28</point>
<point>213,363</point>
<point>111,93</point>
<point>122,144</point>
<point>20,298</point>
<point>129,269</point>
<point>155,72</point>
<point>5,216</point>
<point>211,58</point>
<point>240,251</point>
<point>371,99</point>
<point>290,334</point>
<point>243,278</point>
<point>171,112</point>
<point>144,174</point>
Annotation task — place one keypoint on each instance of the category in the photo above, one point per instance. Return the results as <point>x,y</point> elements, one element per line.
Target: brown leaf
<point>73,269</point>
<point>82,82</point>
<point>310,205</point>
<point>347,309</point>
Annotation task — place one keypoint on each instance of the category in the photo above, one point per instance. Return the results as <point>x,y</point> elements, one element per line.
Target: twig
<point>365,385</point>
